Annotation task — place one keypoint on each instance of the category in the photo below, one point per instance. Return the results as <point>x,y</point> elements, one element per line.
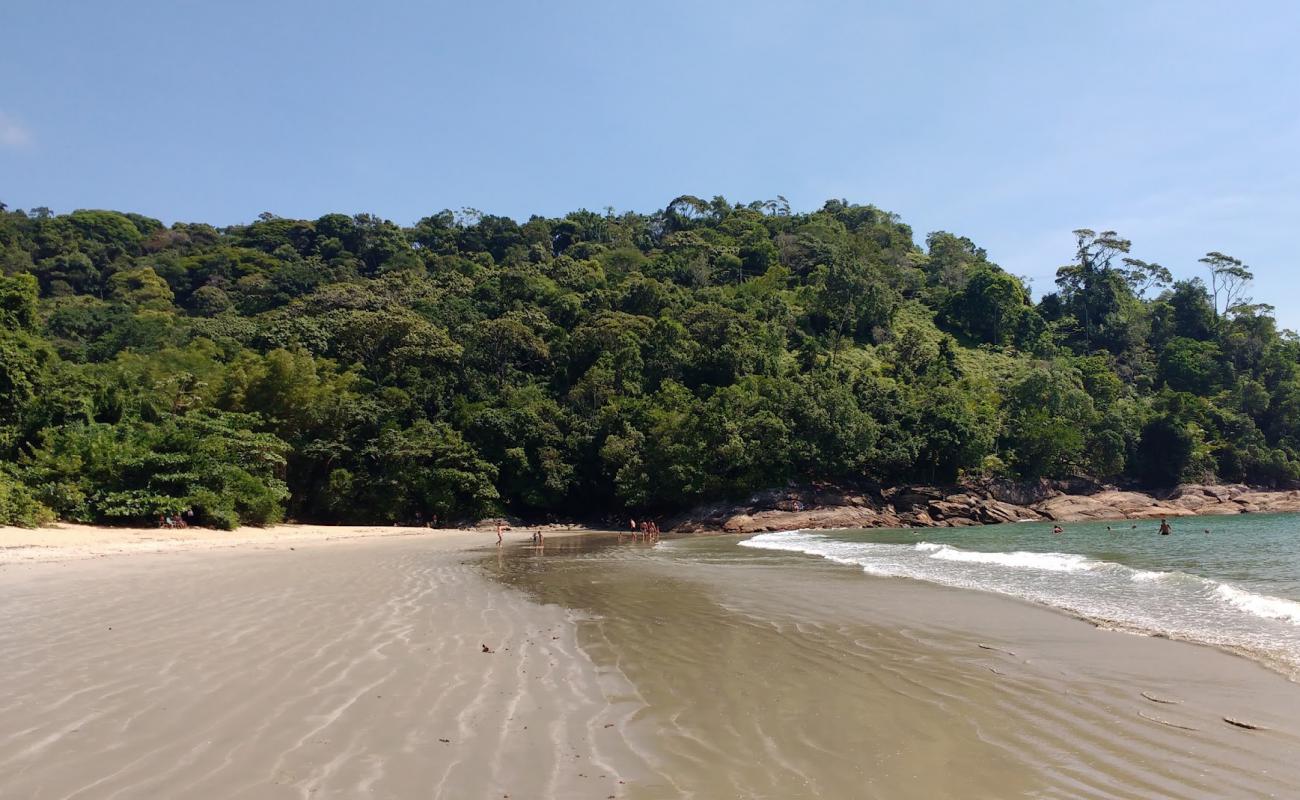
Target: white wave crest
<point>794,541</point>
<point>1020,559</point>
<point>1148,576</point>
<point>1168,602</point>
<point>1261,605</point>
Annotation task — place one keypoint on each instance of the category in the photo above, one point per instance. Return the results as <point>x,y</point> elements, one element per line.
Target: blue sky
<point>1175,123</point>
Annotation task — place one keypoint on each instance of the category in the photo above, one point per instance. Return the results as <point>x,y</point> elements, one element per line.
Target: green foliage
<point>349,368</point>
<point>1188,365</point>
<point>1049,415</point>
<point>18,303</point>
<point>1164,452</point>
<point>213,463</point>
<point>18,506</point>
<point>140,288</point>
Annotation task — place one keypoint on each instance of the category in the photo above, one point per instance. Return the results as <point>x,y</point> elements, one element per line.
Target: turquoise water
<point>1236,587</point>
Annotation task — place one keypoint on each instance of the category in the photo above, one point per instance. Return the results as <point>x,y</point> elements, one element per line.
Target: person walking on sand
<point>499,533</point>
<point>1165,530</point>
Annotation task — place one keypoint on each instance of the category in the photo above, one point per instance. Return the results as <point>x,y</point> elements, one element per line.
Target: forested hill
<point>349,369</point>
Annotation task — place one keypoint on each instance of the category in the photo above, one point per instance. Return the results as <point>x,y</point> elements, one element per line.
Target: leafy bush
<point>18,506</point>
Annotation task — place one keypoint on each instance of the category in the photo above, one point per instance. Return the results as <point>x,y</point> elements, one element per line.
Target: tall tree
<point>1229,279</point>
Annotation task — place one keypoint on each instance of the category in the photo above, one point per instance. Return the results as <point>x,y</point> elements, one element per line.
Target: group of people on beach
<point>538,538</point>
<point>647,529</point>
<point>421,522</point>
<point>171,520</point>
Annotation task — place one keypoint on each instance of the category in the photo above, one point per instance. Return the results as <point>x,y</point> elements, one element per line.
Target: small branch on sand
<point>1167,723</point>
<point>1153,698</point>
<point>1250,726</point>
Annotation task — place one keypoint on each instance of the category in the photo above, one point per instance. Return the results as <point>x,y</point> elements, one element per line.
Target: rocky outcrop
<point>984,503</point>
<point>1234,499</point>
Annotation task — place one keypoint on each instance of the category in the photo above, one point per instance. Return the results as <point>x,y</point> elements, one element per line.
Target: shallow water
<point>1235,587</point>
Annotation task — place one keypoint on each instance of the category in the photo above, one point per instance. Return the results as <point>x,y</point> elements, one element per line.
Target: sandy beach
<point>290,663</point>
<point>306,663</point>
<point>72,542</point>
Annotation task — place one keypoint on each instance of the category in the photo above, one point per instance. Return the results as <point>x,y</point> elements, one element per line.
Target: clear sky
<point>1175,123</point>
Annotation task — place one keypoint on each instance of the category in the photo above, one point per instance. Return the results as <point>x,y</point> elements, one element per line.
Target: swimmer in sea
<point>1058,529</point>
<point>1165,530</point>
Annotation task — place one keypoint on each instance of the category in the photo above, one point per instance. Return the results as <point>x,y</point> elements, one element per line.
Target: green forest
<point>349,369</point>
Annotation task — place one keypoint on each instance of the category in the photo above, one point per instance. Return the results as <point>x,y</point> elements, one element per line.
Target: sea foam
<point>1261,605</point>
<point>1169,603</point>
<point>1055,562</point>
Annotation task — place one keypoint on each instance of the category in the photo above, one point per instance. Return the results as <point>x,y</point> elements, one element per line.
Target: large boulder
<point>995,511</point>
<point>1068,508</point>
<point>914,497</point>
<point>1019,493</point>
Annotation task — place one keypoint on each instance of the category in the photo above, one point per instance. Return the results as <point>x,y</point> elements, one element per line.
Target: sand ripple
<point>338,671</point>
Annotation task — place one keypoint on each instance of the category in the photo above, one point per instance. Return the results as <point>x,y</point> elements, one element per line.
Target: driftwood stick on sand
<point>1157,699</point>
<point>1250,726</point>
<point>983,646</point>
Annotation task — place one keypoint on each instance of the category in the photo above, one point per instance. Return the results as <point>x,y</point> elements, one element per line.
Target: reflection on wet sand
<point>781,677</point>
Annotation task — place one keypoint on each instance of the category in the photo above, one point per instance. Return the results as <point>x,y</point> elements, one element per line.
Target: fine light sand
<point>69,541</point>
<point>342,663</point>
<point>299,669</point>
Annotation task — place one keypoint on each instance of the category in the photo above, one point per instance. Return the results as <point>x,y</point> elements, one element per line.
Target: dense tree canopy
<point>347,368</point>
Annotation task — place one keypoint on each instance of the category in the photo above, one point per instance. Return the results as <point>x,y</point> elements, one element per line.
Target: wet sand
<point>782,676</point>
<point>355,668</point>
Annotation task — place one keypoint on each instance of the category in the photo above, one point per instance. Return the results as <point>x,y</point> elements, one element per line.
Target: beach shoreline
<point>72,541</point>
<point>334,662</point>
<point>824,670</point>
<point>795,508</point>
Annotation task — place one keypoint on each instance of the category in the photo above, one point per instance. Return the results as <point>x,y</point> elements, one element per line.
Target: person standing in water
<point>1165,530</point>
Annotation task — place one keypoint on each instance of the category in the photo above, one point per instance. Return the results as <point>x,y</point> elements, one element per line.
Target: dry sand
<point>69,541</point>
<point>297,670</point>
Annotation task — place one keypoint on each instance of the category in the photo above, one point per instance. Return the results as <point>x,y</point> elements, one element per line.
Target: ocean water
<point>1236,586</point>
